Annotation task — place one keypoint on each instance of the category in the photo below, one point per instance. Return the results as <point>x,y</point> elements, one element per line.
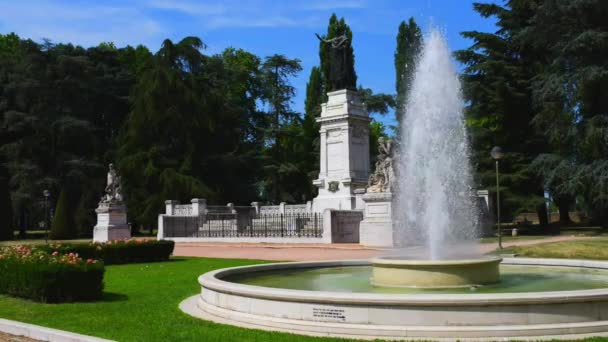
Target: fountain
<point>441,288</point>
<point>434,165</point>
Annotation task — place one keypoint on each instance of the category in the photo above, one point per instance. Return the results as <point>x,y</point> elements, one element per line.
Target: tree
<point>310,128</point>
<point>409,42</point>
<point>500,107</point>
<point>335,29</point>
<point>569,93</point>
<point>159,155</point>
<point>63,223</point>
<point>6,210</point>
<point>283,180</point>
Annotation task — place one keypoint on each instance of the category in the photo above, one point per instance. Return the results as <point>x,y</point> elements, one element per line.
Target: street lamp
<point>46,195</point>
<point>497,155</point>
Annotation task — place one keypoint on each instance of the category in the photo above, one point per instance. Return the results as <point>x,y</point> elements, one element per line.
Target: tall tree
<point>337,28</point>
<point>409,42</point>
<point>310,128</point>
<point>158,155</point>
<point>279,166</point>
<point>497,86</point>
<point>570,95</point>
<point>6,209</point>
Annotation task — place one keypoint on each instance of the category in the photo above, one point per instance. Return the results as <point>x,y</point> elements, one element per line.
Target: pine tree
<point>409,42</point>
<point>337,28</point>
<point>500,109</point>
<point>62,226</point>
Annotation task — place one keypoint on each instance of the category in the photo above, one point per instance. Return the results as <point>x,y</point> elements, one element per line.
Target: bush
<point>63,220</point>
<point>38,275</point>
<point>118,252</point>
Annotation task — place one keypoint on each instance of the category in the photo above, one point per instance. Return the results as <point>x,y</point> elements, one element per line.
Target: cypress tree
<point>63,222</point>
<point>6,210</point>
<point>409,41</point>
<point>337,28</point>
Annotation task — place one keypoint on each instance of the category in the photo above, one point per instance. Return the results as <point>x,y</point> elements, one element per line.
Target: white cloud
<point>324,5</point>
<point>189,7</point>
<point>80,24</point>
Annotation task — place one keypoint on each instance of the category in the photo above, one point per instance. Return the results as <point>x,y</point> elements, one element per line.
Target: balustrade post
<point>170,207</point>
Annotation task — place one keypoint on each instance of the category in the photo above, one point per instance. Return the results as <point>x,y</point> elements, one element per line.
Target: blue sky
<point>263,27</point>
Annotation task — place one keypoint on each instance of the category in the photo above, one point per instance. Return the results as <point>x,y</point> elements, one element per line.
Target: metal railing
<point>245,223</point>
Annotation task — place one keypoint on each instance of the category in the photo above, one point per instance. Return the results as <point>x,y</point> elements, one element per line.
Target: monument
<point>111,212</point>
<point>344,136</point>
<point>376,229</point>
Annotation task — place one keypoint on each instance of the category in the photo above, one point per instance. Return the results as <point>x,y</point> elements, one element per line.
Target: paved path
<point>312,252</point>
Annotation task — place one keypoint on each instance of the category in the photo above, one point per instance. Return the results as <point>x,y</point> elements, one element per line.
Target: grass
<point>140,304</point>
<point>595,249</point>
<point>494,239</point>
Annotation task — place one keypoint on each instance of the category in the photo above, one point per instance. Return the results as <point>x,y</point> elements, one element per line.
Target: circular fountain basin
<point>393,271</point>
<point>536,297</point>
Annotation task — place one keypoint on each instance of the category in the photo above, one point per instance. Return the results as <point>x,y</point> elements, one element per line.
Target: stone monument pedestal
<point>111,223</point>
<point>376,229</point>
<point>344,151</point>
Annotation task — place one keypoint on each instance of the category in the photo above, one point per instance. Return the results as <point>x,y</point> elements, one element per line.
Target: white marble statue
<point>113,191</point>
<point>382,179</point>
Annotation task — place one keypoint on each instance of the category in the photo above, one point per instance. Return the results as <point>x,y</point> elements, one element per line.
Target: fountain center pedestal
<point>395,272</point>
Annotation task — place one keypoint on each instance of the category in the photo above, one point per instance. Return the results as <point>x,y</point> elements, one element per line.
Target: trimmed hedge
<point>118,252</point>
<point>35,274</point>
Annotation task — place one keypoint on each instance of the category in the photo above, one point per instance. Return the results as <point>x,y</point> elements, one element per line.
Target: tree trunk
<point>541,211</point>
<point>563,205</point>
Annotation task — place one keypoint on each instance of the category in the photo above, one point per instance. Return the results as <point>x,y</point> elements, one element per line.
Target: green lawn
<point>140,304</point>
<point>494,239</point>
<point>595,249</point>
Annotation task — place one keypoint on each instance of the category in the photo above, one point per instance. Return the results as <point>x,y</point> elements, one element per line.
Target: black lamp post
<point>497,155</point>
<point>46,195</point>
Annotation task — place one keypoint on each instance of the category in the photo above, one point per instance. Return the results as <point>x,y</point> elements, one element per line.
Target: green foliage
<point>6,211</point>
<point>337,28</point>
<point>570,99</point>
<point>40,276</point>
<point>61,107</point>
<point>117,252</point>
<point>497,86</point>
<point>63,222</point>
<point>409,42</point>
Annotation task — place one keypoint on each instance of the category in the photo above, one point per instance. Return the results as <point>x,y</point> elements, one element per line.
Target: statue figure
<point>382,179</point>
<point>113,190</point>
<point>339,74</point>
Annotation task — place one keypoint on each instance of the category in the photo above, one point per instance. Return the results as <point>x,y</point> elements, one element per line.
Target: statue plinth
<point>344,151</point>
<point>111,223</point>
<point>376,229</point>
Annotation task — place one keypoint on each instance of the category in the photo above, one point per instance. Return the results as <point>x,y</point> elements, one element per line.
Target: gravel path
<point>314,252</point>
<point>12,338</point>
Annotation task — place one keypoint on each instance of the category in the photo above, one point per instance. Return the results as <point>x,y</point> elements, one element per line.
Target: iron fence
<point>245,223</point>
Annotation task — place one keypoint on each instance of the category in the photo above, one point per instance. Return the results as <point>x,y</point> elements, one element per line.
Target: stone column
<point>256,206</point>
<point>282,208</point>
<point>199,206</point>
<point>170,207</point>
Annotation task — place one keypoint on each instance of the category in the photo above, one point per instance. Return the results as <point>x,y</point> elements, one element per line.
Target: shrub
<point>118,252</point>
<point>6,210</point>
<point>63,220</point>
<point>38,275</point>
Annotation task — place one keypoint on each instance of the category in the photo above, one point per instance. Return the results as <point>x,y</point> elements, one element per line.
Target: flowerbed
<point>118,252</point>
<point>49,277</point>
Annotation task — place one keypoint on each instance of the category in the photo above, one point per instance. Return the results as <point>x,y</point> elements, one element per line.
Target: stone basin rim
<point>396,261</point>
<point>213,281</point>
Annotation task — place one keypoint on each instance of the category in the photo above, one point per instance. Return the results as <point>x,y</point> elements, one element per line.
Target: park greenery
<point>180,123</point>
<point>536,87</point>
